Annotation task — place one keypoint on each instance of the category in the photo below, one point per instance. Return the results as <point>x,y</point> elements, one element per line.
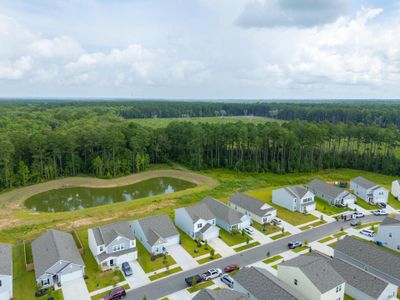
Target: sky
<point>200,49</point>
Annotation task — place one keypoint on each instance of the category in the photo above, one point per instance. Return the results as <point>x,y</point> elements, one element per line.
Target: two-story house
<point>6,272</point>
<point>112,244</point>
<point>330,193</point>
<point>388,234</point>
<point>294,198</point>
<point>395,189</point>
<point>369,191</point>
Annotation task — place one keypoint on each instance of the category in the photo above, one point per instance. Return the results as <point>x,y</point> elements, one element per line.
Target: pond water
<point>68,199</point>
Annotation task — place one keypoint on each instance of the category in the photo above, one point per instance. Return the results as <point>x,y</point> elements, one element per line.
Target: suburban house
<point>197,221</point>
<point>312,277</point>
<point>112,244</point>
<point>6,272</point>
<point>294,198</point>
<point>226,217</point>
<point>396,189</point>
<point>369,257</point>
<point>388,234</point>
<point>156,233</point>
<point>260,284</point>
<point>369,191</point>
<point>330,193</point>
<point>361,285</point>
<point>221,294</point>
<point>259,212</point>
<point>56,259</point>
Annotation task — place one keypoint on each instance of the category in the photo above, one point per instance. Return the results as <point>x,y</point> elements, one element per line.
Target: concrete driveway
<point>260,237</point>
<point>139,277</point>
<point>182,258</point>
<point>220,247</point>
<point>75,289</point>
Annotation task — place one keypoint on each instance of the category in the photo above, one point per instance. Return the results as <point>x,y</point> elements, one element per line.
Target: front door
<point>112,262</point>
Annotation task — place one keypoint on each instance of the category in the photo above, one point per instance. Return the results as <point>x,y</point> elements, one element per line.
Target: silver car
<point>228,280</point>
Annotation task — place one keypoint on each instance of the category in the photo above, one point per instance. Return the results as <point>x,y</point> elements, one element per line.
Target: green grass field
<point>272,259</point>
<point>144,259</point>
<point>165,273</point>
<point>233,239</point>
<point>190,245</point>
<point>208,259</point>
<point>248,246</point>
<point>328,209</point>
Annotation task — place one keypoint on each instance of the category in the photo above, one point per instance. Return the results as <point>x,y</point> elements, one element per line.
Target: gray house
<point>112,244</point>
<point>369,191</point>
<point>294,198</point>
<point>56,258</point>
<point>259,211</point>
<point>370,258</point>
<point>156,233</point>
<point>6,272</point>
<point>221,294</point>
<point>330,193</point>
<point>388,234</point>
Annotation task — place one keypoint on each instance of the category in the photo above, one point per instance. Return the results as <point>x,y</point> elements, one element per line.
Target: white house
<point>259,211</point>
<point>156,233</point>
<point>6,272</point>
<point>294,198</point>
<point>369,191</point>
<point>312,277</point>
<point>388,234</point>
<point>112,244</point>
<point>396,189</point>
<point>330,193</point>
<point>197,221</point>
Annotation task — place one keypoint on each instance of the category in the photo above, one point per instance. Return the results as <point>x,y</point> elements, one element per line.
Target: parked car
<point>358,214</point>
<point>354,223</point>
<point>231,268</point>
<point>276,221</point>
<point>341,205</point>
<point>367,232</point>
<point>249,230</point>
<point>211,274</point>
<point>197,278</point>
<point>119,293</point>
<point>380,212</point>
<point>295,244</point>
<point>381,205</point>
<point>227,280</point>
<point>126,268</point>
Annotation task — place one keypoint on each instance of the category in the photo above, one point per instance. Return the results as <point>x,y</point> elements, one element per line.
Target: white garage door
<point>4,296</point>
<point>70,276</point>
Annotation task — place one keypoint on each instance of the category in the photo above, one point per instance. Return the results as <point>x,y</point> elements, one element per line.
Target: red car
<point>116,294</point>
<point>231,268</point>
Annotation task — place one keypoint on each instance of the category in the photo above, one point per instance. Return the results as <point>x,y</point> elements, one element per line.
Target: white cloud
<point>59,47</point>
<point>14,70</point>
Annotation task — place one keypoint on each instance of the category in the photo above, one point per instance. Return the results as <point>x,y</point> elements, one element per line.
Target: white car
<point>249,230</point>
<point>358,214</point>
<point>380,212</point>
<point>276,221</point>
<point>367,232</point>
<point>211,274</point>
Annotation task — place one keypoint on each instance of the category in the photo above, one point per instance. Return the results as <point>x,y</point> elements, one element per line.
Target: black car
<point>126,268</point>
<point>189,280</point>
<point>381,205</point>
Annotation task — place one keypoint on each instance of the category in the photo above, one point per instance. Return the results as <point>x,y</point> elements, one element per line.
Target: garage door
<point>4,296</point>
<point>70,276</point>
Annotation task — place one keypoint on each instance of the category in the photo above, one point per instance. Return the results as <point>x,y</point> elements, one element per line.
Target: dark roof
<point>199,211</point>
<point>365,183</point>
<point>222,211</point>
<point>6,259</point>
<point>391,221</point>
<point>251,204</point>
<point>51,247</point>
<point>329,191</point>
<point>104,235</point>
<point>264,286</point>
<point>317,270</point>
<point>297,191</point>
<point>103,256</point>
<point>370,254</point>
<point>222,294</point>
<point>157,227</point>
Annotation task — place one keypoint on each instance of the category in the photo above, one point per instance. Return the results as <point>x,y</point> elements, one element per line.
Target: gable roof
<point>393,221</point>
<point>51,247</point>
<point>199,211</point>
<point>251,204</point>
<point>264,286</point>
<point>157,227</point>
<point>6,259</point>
<point>329,191</point>
<point>363,182</point>
<point>317,270</point>
<point>104,235</point>
<point>371,255</point>
<point>222,211</point>
<point>222,294</point>
<point>297,191</point>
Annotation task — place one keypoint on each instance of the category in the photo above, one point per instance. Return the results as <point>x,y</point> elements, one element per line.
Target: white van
<point>367,232</point>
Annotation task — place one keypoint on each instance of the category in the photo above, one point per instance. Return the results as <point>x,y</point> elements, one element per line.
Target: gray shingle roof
<point>371,255</point>
<point>104,235</point>
<point>5,259</point>
<point>329,191</point>
<point>297,191</point>
<point>103,256</point>
<point>157,227</point>
<point>52,247</point>
<point>264,286</point>
<point>251,204</point>
<point>317,270</point>
<point>365,183</point>
<point>222,294</point>
<point>199,211</point>
<point>222,211</point>
<point>391,221</point>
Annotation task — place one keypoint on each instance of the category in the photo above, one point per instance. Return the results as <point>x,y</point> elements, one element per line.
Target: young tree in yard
<point>283,230</point>
<point>212,253</point>
<point>247,240</point>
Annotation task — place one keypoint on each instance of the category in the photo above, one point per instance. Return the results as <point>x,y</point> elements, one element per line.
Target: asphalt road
<point>175,283</point>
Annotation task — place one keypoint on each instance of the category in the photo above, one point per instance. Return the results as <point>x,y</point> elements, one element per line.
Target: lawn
<point>272,259</point>
<point>144,259</point>
<point>190,245</point>
<point>101,296</point>
<point>269,229</point>
<point>275,266</point>
<point>281,235</point>
<point>312,225</point>
<point>365,205</point>
<point>208,259</point>
<point>393,202</point>
<point>24,282</point>
<point>165,273</point>
<point>339,234</point>
<point>248,246</point>
<point>363,225</point>
<point>327,208</point>
<point>233,239</point>
<point>302,248</point>
<point>28,252</point>
<point>200,286</point>
<point>324,240</point>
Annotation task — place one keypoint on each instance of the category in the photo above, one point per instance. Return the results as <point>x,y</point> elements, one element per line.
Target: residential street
<point>176,282</point>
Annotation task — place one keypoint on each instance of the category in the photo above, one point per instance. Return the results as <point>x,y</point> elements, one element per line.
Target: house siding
<point>184,222</point>
<point>389,236</point>
<point>266,218</point>
<point>6,288</point>
<point>378,195</point>
<point>395,190</point>
<point>282,198</point>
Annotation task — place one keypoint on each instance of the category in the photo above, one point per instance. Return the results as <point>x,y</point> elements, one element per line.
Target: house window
<point>390,234</point>
<point>199,225</point>
<point>118,247</point>
<point>295,282</point>
<point>101,248</point>
<point>0,283</point>
<point>338,288</point>
<point>46,281</point>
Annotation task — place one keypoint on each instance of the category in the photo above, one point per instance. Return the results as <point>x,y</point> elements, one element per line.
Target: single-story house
<point>260,284</point>
<point>197,221</point>
<point>396,189</point>
<point>56,259</point>
<point>221,294</point>
<point>369,257</point>
<point>388,234</point>
<point>259,212</point>
<point>294,198</point>
<point>226,217</point>
<point>312,277</point>
<point>112,244</point>
<point>330,193</point>
<point>156,233</point>
<point>6,272</point>
<point>369,191</point>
